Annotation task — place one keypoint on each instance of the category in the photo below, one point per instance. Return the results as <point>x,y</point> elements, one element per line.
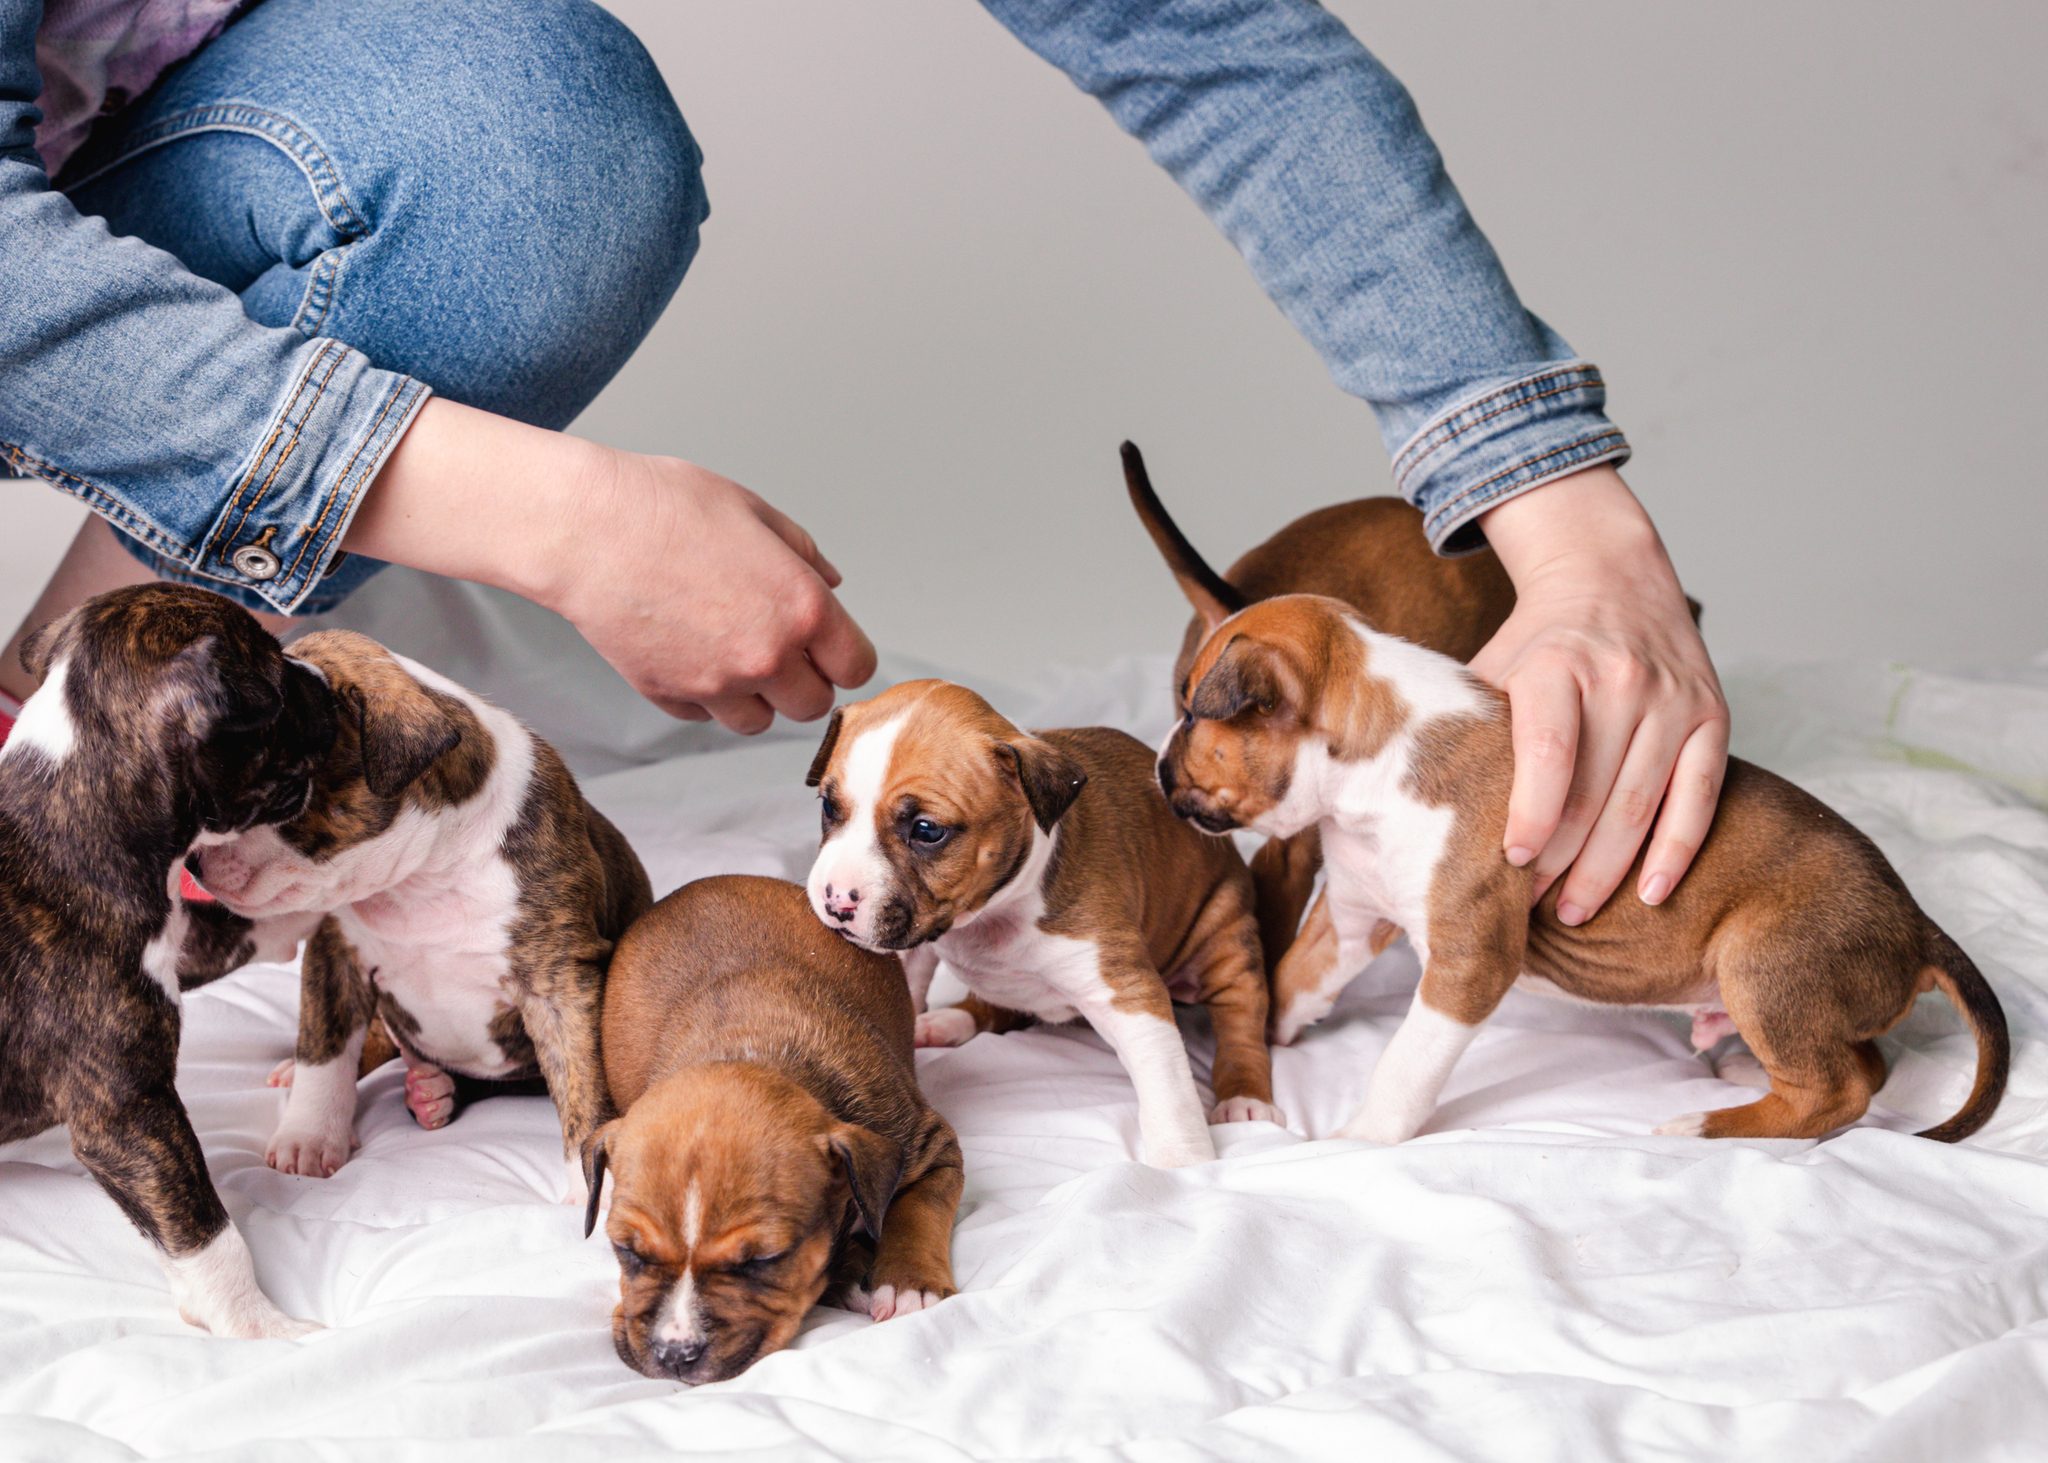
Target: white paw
<point>281,1074</point>
<point>575,1188</point>
<point>1299,1016</point>
<point>430,1096</point>
<point>888,1302</point>
<point>1182,1153</point>
<point>1369,1128</point>
<point>308,1151</point>
<point>1743,1069</point>
<point>1247,1110</point>
<point>1709,1027</point>
<point>948,1027</point>
<point>1692,1125</point>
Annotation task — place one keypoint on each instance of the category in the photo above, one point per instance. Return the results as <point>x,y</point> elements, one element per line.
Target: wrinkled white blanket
<point>1535,1277</point>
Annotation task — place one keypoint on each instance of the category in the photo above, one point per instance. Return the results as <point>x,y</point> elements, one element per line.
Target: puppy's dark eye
<point>630,1259</point>
<point>927,834</point>
<point>828,812</point>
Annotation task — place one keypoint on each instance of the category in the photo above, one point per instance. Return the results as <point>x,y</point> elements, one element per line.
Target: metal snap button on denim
<point>253,561</point>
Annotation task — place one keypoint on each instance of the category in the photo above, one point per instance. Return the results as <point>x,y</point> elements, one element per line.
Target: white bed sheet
<point>1533,1278</point>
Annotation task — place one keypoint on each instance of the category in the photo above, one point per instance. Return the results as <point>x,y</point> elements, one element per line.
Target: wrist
<point>1587,527</point>
<point>470,495</point>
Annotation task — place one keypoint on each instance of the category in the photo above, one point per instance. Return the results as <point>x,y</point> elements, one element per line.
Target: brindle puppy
<point>167,716</point>
<point>471,899</point>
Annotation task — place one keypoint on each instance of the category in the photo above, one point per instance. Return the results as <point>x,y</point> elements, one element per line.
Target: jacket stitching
<point>376,429</point>
<point>1459,421</point>
<point>1455,504</point>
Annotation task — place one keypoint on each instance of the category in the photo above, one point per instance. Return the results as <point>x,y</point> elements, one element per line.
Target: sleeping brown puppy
<point>773,1137</point>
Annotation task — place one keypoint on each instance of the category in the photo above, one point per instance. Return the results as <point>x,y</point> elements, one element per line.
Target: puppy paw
<point>281,1074</point>
<point>1709,1027</point>
<point>1369,1128</point>
<point>1247,1110</point>
<point>890,1301</point>
<point>1743,1069</point>
<point>575,1187</point>
<point>950,1026</point>
<point>263,1322</point>
<point>1184,1154</point>
<point>1297,1017</point>
<point>429,1096</point>
<point>1692,1125</point>
<point>309,1152</point>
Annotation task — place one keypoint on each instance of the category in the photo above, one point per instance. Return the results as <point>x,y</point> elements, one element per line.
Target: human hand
<point>707,599</point>
<point>1615,704</point>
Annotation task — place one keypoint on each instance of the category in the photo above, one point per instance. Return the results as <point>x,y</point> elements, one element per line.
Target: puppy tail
<point>1958,978</point>
<point>1215,598</point>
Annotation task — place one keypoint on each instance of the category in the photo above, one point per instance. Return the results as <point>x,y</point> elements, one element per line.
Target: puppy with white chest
<point>1791,928</point>
<point>773,1138</point>
<point>468,901</point>
<point>1372,554</point>
<point>1044,870</point>
<point>166,716</point>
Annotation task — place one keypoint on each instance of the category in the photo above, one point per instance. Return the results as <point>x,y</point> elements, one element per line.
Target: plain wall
<point>938,286</point>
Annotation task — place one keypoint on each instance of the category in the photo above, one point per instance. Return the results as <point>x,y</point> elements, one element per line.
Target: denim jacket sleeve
<point>1311,158</point>
<point>228,451</point>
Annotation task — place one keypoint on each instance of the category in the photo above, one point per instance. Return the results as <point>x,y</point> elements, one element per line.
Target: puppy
<point>771,1116</point>
<point>468,896</point>
<point>1373,555</point>
<point>166,716</point>
<point>1048,874</point>
<point>1790,929</point>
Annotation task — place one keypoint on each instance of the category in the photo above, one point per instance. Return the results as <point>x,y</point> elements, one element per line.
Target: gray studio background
<point>938,287</point>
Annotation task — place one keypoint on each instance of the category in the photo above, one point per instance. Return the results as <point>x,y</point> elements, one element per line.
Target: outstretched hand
<point>1620,728</point>
<point>711,602</point>
<point>708,599</point>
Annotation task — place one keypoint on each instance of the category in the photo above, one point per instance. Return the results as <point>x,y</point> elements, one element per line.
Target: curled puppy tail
<point>1215,598</point>
<point>1957,977</point>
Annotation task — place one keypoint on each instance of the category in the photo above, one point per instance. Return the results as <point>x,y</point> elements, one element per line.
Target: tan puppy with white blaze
<point>1048,874</point>
<point>1791,929</point>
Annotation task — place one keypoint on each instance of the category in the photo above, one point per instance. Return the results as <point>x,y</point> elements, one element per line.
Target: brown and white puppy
<point>1791,928</point>
<point>166,715</point>
<point>469,899</point>
<point>1047,873</point>
<point>771,1117</point>
<point>1373,555</point>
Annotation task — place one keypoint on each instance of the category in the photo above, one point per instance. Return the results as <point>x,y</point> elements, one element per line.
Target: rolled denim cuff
<point>276,541</point>
<point>1502,442</point>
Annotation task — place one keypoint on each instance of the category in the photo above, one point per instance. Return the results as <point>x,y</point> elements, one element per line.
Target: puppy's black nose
<point>677,1357</point>
<point>842,907</point>
<point>1166,777</point>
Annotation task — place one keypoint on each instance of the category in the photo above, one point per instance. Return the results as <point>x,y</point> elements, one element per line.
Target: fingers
<point>1624,820</point>
<point>1544,714</point>
<point>798,538</point>
<point>840,649</point>
<point>680,710</point>
<point>1688,809</point>
<point>743,714</point>
<point>798,691</point>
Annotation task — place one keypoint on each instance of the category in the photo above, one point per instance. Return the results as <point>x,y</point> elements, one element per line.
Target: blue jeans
<point>491,199</point>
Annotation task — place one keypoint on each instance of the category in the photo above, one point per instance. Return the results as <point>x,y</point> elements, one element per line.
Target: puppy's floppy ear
<point>596,1155</point>
<point>402,727</point>
<point>824,758</point>
<point>1051,779</point>
<point>1246,676</point>
<point>870,1165</point>
<point>41,645</point>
